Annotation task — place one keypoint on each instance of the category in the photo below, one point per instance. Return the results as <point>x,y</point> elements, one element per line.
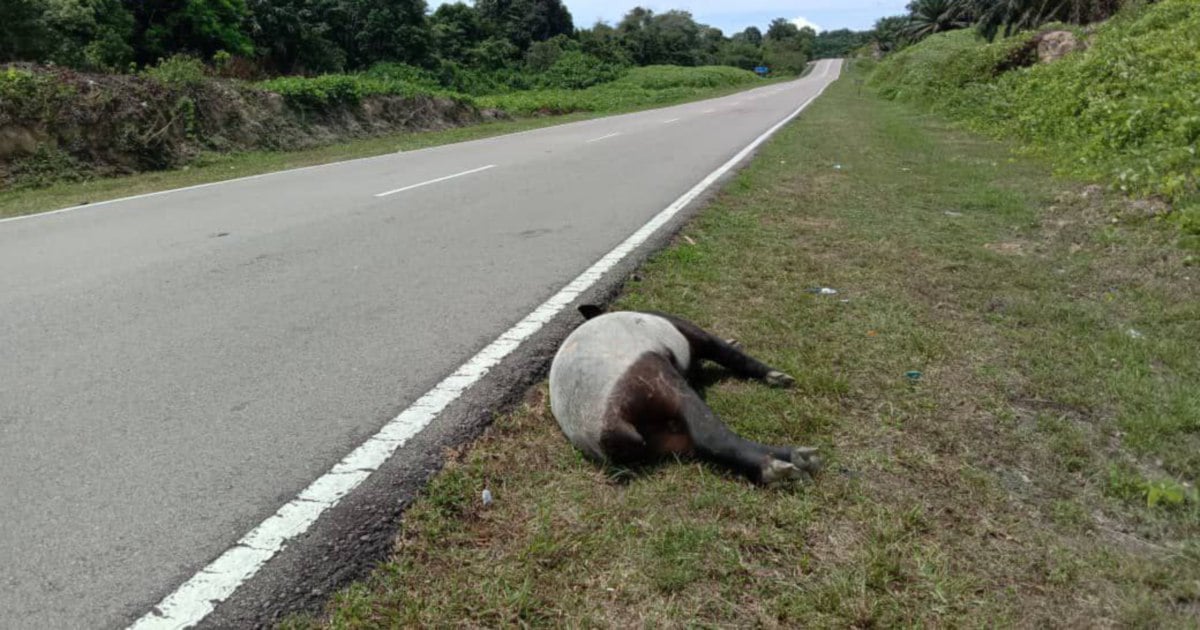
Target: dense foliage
<point>1126,109</point>
<point>489,45</point>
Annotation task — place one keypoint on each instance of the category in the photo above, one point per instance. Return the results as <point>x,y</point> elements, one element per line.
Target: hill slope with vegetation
<point>1123,109</point>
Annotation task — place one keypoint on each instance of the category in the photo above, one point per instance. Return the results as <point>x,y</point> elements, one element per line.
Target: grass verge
<point>1035,473</point>
<point>219,167</point>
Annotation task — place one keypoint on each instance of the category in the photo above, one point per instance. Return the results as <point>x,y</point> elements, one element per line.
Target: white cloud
<point>802,22</point>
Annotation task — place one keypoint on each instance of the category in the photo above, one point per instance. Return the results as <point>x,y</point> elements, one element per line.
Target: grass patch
<point>1013,484</point>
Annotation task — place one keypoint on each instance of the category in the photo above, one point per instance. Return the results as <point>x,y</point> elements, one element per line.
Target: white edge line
<point>708,111</point>
<point>198,596</point>
<point>671,120</point>
<point>611,135</point>
<point>434,181</point>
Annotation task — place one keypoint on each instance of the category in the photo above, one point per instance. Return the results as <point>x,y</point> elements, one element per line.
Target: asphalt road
<point>177,367</point>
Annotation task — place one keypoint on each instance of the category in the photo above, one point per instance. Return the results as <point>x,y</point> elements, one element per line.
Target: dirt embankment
<point>57,123</point>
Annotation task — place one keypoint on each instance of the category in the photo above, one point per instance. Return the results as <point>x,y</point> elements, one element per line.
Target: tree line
<point>282,37</point>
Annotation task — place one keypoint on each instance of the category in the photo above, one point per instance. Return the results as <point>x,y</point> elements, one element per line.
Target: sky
<point>732,16</point>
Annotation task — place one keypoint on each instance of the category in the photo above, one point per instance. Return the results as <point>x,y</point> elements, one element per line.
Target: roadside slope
<point>1035,468</point>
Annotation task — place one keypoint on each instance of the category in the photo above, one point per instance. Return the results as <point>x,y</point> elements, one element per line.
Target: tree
<point>604,43</point>
<point>389,30</point>
<point>927,17</point>
<point>523,22</point>
<point>839,43</point>
<point>751,36</point>
<point>457,28</point>
<point>23,32</point>
<point>740,53</point>
<point>889,33</point>
<point>297,36</point>
<point>200,27</point>
<point>781,29</point>
<point>669,38</point>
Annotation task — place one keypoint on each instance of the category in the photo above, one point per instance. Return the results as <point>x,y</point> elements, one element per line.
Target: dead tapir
<point>618,389</point>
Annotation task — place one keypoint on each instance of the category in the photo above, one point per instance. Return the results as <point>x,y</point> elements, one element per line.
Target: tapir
<point>619,390</point>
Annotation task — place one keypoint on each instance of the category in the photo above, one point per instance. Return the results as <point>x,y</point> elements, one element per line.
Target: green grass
<point>1013,485</point>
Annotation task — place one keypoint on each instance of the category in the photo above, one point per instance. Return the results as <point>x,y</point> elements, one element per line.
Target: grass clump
<point>1038,474</point>
<point>1124,110</point>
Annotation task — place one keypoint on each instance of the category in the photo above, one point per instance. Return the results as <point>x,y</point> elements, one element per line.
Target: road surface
<point>177,367</point>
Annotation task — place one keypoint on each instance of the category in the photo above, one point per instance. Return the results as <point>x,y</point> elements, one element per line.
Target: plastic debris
<point>487,497</point>
<point>951,213</point>
<point>822,291</point>
<point>913,375</point>
<point>837,167</point>
<point>1134,334</point>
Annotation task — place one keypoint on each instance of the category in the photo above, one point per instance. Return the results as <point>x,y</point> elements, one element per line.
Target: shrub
<point>29,96</point>
<point>177,70</point>
<point>575,70</point>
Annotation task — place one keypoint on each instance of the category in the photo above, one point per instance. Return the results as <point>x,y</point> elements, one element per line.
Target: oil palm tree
<point>927,17</point>
<point>1011,16</point>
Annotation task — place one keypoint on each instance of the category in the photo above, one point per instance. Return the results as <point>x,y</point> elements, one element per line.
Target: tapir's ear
<point>590,310</point>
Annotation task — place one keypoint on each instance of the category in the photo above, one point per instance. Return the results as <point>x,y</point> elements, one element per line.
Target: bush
<point>1126,110</point>
<point>28,96</point>
<point>575,70</point>
<point>177,70</point>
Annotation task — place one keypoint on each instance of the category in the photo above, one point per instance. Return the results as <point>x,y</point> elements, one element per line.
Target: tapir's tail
<point>590,311</point>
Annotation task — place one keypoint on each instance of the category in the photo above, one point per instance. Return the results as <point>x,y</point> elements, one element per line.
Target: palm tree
<point>927,17</point>
<point>1011,16</point>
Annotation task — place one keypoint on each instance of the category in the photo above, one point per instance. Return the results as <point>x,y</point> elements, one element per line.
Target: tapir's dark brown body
<point>618,390</point>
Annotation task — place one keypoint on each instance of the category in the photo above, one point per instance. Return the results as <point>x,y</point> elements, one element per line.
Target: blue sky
<point>732,16</point>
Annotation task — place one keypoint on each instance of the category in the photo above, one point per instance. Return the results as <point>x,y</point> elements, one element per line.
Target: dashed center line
<point>434,181</point>
<point>611,135</point>
<point>671,120</point>
<point>708,111</point>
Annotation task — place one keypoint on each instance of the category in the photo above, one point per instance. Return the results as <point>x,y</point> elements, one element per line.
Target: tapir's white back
<point>594,358</point>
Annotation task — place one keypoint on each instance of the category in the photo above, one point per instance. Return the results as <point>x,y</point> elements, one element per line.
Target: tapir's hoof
<point>775,378</point>
<point>801,468</point>
<point>805,458</point>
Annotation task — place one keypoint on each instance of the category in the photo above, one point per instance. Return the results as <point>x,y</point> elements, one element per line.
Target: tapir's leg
<point>716,442</point>
<point>727,354</point>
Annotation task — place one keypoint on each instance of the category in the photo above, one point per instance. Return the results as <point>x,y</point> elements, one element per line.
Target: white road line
<point>708,111</point>
<point>611,135</point>
<point>434,181</point>
<point>671,120</point>
<point>196,598</point>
